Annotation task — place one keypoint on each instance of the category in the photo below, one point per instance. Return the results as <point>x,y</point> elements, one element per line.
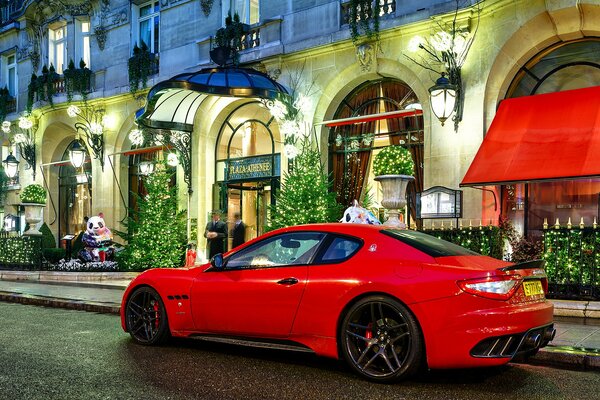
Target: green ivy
<point>5,99</point>
<point>363,19</point>
<point>140,67</point>
<point>77,80</point>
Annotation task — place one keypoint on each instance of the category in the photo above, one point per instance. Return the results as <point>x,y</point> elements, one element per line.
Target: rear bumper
<point>461,330</point>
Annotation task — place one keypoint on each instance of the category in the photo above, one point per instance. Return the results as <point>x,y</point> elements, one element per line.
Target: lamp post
<point>77,154</point>
<point>11,166</point>
<point>443,98</point>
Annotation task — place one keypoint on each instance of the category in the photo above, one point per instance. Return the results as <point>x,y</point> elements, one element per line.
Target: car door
<point>259,288</point>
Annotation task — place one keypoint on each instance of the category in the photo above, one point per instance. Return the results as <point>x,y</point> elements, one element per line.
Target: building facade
<point>519,48</point>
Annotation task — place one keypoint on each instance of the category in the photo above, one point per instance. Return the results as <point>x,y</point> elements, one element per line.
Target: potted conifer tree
<point>33,197</point>
<point>394,168</point>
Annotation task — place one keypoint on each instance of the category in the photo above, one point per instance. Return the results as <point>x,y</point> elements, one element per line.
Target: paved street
<point>62,354</point>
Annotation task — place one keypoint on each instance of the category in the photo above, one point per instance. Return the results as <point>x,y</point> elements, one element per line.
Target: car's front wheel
<point>146,317</point>
<point>381,340</point>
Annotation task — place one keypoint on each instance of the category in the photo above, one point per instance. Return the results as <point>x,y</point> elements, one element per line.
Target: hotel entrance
<point>248,167</point>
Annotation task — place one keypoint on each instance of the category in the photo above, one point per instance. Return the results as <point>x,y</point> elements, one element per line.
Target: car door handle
<point>288,281</point>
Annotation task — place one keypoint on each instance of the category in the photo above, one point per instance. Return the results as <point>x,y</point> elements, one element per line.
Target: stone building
<point>519,48</point>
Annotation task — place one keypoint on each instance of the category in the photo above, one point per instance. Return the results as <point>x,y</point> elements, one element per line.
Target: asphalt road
<point>62,354</point>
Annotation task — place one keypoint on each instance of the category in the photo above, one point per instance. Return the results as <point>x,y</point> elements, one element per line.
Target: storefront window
<point>563,66</point>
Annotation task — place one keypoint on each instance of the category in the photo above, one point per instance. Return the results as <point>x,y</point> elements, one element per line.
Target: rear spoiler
<point>535,264</point>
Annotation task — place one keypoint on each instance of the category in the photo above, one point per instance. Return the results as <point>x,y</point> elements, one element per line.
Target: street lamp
<point>77,154</point>
<point>11,166</point>
<point>443,98</point>
<point>146,167</point>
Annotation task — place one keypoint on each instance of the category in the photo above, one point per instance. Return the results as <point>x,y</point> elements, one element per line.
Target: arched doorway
<point>352,147</point>
<point>562,66</point>
<point>248,155</point>
<point>75,194</point>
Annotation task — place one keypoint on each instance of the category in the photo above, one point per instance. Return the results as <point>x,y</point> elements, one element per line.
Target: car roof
<point>344,228</point>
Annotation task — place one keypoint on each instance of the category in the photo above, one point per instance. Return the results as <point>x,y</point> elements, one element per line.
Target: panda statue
<point>97,240</point>
<point>359,215</point>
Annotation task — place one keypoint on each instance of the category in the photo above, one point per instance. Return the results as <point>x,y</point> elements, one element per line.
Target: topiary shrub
<point>393,160</point>
<point>33,193</point>
<point>48,241</point>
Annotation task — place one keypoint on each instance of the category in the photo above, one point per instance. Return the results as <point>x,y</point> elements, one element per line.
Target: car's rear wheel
<point>381,340</point>
<point>146,317</point>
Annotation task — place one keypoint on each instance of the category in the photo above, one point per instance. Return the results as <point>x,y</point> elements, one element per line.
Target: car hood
<point>473,263</point>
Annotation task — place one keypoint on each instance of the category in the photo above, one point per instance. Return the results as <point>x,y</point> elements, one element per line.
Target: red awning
<point>372,117</point>
<point>542,137</point>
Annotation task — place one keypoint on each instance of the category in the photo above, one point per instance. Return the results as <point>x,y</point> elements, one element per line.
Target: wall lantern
<point>146,167</point>
<point>443,98</point>
<point>77,154</point>
<point>11,166</point>
<point>91,122</point>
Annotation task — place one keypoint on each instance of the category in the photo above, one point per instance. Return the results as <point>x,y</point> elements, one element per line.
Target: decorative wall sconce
<point>443,98</point>
<point>24,137</point>
<point>91,123</point>
<point>77,154</point>
<point>445,53</point>
<point>11,166</point>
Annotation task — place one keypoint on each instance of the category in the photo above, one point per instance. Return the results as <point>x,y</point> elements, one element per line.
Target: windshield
<point>428,244</point>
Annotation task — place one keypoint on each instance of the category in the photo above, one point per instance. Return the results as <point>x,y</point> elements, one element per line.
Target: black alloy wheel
<point>146,317</point>
<point>381,340</point>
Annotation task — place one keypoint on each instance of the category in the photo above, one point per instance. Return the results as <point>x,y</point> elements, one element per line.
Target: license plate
<point>533,288</point>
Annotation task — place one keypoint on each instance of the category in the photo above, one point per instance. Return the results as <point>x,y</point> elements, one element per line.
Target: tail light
<point>494,287</point>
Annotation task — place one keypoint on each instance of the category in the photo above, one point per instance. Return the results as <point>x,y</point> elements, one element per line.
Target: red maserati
<point>387,301</point>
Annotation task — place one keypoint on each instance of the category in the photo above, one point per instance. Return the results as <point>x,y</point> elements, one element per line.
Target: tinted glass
<point>287,249</point>
<point>340,249</point>
<point>428,244</point>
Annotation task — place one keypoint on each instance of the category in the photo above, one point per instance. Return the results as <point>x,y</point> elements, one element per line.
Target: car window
<point>428,244</point>
<point>286,249</point>
<point>340,249</point>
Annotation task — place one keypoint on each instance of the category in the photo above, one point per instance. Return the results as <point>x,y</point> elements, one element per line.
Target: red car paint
<point>251,303</point>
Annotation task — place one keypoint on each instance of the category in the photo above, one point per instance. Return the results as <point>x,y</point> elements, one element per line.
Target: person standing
<point>215,234</point>
<point>239,231</point>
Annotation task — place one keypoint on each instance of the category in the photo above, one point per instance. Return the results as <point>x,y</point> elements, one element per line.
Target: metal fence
<point>20,252</point>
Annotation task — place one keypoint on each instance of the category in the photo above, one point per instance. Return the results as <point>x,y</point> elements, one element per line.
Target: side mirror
<point>217,261</point>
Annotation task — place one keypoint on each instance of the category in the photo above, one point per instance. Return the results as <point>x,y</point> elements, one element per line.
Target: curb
<point>59,276</point>
<point>567,357</point>
<point>81,305</point>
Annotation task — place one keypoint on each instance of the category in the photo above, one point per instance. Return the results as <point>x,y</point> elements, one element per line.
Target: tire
<point>146,317</point>
<point>381,340</point>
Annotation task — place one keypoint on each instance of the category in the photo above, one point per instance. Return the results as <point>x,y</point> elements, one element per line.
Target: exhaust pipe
<point>549,335</point>
<point>534,340</point>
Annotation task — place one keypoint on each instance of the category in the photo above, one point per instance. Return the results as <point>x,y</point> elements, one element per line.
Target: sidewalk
<point>576,345</point>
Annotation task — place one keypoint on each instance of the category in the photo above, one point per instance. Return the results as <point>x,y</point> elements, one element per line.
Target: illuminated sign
<point>252,167</point>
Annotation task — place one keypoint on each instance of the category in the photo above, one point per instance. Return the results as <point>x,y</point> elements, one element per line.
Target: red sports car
<point>388,301</point>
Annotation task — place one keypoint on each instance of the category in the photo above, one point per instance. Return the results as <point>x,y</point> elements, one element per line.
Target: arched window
<point>351,147</point>
<point>75,194</point>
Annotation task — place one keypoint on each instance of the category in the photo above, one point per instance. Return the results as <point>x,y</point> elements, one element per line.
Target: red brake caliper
<point>156,321</point>
<point>369,333</point>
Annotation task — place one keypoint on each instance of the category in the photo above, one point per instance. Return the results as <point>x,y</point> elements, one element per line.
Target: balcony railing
<point>386,8</point>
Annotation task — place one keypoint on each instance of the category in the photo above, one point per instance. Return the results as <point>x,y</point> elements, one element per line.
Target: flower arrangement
<point>393,160</point>
<point>33,193</point>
